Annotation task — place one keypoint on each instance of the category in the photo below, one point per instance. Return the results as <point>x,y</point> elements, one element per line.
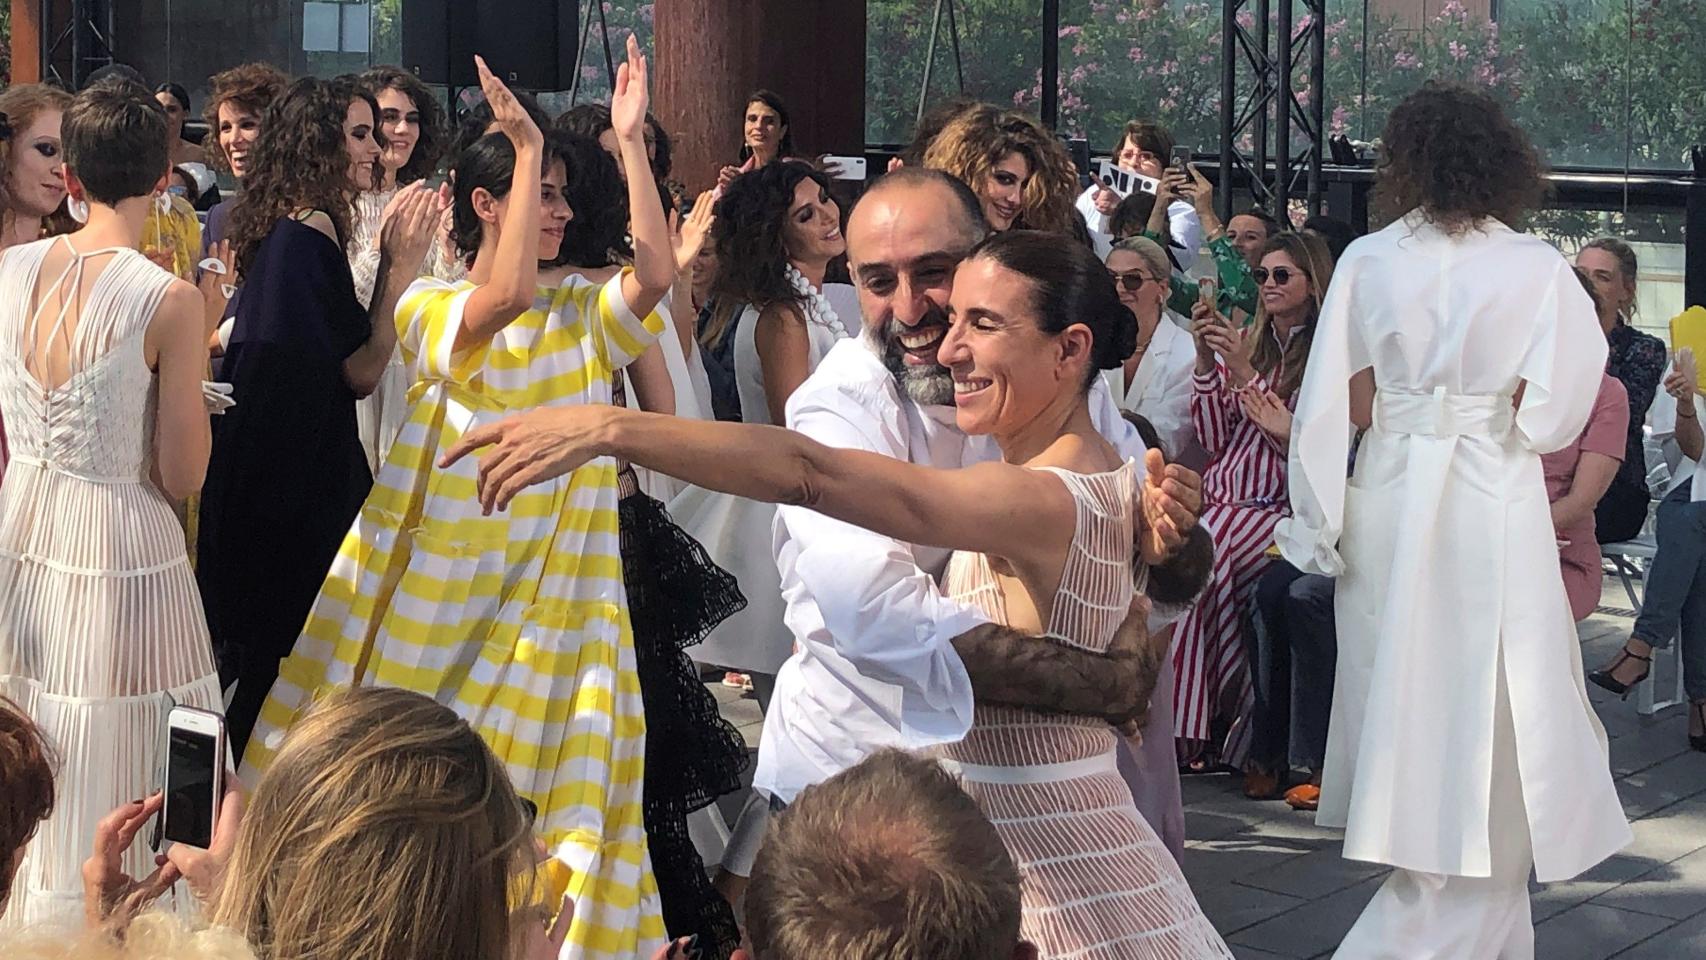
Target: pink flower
<point>1246,19</point>
<point>1166,103</point>
<point>1340,122</point>
<point>1206,58</point>
<point>1458,50</point>
<point>1135,55</point>
<point>1169,67</point>
<point>1072,31</point>
<point>1405,60</point>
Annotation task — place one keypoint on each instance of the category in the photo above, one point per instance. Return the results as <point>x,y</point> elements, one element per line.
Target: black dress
<point>287,475</point>
<point>676,595</point>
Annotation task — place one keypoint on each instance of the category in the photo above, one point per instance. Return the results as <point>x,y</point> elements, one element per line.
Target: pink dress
<point>1095,881</point>
<point>1607,428</point>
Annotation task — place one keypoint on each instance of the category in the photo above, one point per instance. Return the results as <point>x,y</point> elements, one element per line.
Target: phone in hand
<point>1208,292</point>
<point>195,776</point>
<point>1181,158</point>
<point>844,168</point>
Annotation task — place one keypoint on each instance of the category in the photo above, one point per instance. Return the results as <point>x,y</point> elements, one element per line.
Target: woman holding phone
<point>1146,148</point>
<point>1241,408</point>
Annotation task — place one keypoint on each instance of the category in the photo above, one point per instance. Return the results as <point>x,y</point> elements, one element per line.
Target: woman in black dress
<point>287,473</point>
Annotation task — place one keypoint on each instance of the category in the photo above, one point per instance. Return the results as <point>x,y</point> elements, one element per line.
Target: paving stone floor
<point>1276,886</point>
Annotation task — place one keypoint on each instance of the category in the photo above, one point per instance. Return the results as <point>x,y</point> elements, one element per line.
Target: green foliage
<point>1563,67</point>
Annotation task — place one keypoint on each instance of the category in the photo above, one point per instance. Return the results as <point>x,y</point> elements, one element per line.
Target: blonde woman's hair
<point>154,935</point>
<point>1313,257</point>
<point>981,136</point>
<point>1153,256</point>
<point>385,829</point>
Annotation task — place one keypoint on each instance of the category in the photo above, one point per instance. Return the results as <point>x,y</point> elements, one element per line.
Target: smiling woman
<point>1021,174</point>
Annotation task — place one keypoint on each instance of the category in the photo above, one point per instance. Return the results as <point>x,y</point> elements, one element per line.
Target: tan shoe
<point>1304,796</point>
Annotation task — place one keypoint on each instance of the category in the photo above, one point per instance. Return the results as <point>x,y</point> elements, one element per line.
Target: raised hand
<point>1171,504</point>
<point>1107,200</point>
<point>507,112</point>
<point>727,175</point>
<point>1684,379</point>
<point>629,102</point>
<point>218,274</point>
<point>111,896</point>
<point>688,237</point>
<point>410,221</point>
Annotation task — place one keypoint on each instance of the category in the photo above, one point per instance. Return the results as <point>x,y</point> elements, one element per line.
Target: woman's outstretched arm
<point>992,508</point>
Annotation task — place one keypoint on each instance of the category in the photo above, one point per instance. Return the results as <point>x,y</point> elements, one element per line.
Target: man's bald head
<point>912,183</point>
<point>905,238</point>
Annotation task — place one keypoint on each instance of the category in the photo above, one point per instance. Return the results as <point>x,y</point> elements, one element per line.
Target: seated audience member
<point>1145,148</point>
<point>26,791</point>
<point>1577,478</point>
<point>1638,360</point>
<point>1248,230</point>
<point>1235,286</point>
<point>887,860</point>
<point>1292,654</point>
<point>1675,602</point>
<point>1155,381</point>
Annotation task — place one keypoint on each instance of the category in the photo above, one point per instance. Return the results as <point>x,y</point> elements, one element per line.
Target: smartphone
<point>195,776</point>
<point>1208,292</point>
<point>844,168</point>
<point>1181,157</point>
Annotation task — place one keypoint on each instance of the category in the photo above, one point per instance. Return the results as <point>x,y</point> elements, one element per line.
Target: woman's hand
<point>1172,502</point>
<point>203,868</point>
<point>1201,194</point>
<point>688,237</point>
<point>530,448</point>
<point>1105,198</point>
<point>1216,335</point>
<point>507,112</point>
<point>1681,383</point>
<point>541,940</point>
<point>111,896</point>
<point>630,100</point>
<point>1268,412</point>
<point>727,175</point>
<point>410,221</point>
<point>216,286</point>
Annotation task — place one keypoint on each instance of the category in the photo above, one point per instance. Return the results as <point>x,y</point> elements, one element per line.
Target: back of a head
<point>1132,215</point>
<point>597,234</point>
<point>1450,151</point>
<point>887,860</point>
<point>115,71</point>
<point>930,125</point>
<point>585,119</point>
<point>115,141</point>
<point>1336,232</point>
<point>383,828</point>
<point>26,787</point>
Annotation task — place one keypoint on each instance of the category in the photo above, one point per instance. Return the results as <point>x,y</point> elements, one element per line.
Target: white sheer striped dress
<point>101,628</point>
<point>1096,883</point>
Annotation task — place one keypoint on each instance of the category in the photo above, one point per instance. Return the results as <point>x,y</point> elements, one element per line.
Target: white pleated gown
<point>101,627</point>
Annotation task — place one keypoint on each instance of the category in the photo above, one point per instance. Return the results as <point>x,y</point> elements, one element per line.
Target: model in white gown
<point>101,627</point>
<point>736,532</point>
<point>1463,748</point>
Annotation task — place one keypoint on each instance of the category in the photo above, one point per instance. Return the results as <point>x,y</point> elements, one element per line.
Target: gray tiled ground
<point>1275,885</point>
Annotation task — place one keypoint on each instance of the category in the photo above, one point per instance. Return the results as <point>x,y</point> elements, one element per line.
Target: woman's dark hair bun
<point>1114,349</point>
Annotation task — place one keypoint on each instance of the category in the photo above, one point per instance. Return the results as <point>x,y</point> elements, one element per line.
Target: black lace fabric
<point>676,595</point>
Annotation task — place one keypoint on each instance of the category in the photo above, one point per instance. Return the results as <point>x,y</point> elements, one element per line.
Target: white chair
<point>1630,558</point>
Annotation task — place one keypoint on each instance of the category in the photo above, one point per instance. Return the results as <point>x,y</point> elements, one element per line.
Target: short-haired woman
<point>1146,148</point>
<point>1462,749</point>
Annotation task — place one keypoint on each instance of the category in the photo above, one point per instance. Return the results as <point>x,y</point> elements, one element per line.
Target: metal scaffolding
<point>76,39</point>
<point>1273,166</point>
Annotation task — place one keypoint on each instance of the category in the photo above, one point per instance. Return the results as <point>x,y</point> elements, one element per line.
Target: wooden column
<point>26,41</point>
<point>709,54</point>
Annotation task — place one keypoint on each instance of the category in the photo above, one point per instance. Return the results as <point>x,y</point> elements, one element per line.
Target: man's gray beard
<point>930,386</point>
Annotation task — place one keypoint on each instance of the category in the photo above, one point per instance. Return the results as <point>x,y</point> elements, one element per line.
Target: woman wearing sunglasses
<point>1155,381</point>
<point>1240,405</point>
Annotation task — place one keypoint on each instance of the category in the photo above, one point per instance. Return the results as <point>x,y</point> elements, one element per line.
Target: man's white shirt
<point>873,664</point>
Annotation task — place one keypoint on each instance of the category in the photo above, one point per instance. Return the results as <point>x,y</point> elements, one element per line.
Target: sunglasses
<point>1281,275</point>
<point>1132,282</point>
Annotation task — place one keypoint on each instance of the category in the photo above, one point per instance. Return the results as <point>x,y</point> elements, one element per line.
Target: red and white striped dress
<point>1244,493</point>
<point>1096,883</point>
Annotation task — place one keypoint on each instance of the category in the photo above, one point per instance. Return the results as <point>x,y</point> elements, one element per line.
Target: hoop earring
<point>77,208</point>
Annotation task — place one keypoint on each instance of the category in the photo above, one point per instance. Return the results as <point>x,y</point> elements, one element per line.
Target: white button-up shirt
<point>873,664</point>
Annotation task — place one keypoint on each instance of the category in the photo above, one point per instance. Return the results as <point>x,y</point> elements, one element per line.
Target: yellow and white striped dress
<point>518,621</point>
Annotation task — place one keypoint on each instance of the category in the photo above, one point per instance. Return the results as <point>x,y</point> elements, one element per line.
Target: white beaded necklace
<point>818,309</point>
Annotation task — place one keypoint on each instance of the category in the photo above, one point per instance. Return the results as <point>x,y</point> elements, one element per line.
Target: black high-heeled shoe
<point>1605,679</point>
<point>1697,741</point>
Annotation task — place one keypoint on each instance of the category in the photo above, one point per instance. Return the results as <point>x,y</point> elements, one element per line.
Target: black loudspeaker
<point>527,43</point>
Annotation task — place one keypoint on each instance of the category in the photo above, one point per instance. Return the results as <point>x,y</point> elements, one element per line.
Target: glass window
<point>1000,52</point>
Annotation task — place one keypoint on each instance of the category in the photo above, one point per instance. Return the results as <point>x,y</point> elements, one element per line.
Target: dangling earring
<point>163,203</point>
<point>77,208</point>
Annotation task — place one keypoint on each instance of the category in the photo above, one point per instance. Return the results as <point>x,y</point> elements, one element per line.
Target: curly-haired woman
<point>776,233</point>
<point>288,472</point>
<point>1462,749</point>
<point>412,132</point>
<point>1021,174</point>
